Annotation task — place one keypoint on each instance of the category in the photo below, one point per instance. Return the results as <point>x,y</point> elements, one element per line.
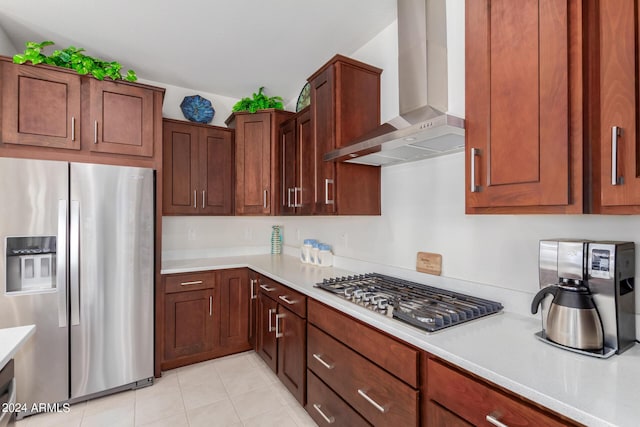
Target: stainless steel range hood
<point>423,128</point>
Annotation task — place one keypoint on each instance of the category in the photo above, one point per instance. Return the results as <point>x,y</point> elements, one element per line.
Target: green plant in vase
<point>73,58</point>
<point>258,101</point>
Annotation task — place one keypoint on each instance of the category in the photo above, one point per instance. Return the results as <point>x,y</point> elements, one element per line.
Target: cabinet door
<point>215,169</point>
<point>619,153</point>
<point>253,307</point>
<point>267,346</point>
<point>521,80</point>
<point>305,164</point>
<point>234,309</point>
<point>253,164</point>
<point>323,119</point>
<point>40,107</point>
<point>190,326</point>
<point>120,119</point>
<point>180,175</point>
<point>291,334</point>
<point>288,167</point>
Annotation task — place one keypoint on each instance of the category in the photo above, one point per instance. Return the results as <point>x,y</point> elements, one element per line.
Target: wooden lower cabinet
<point>253,310</point>
<point>374,393</point>
<point>235,300</point>
<point>343,371</point>
<point>291,334</point>
<point>190,324</point>
<point>326,407</point>
<point>374,374</point>
<point>470,400</point>
<point>282,337</point>
<point>206,315</point>
<point>267,345</point>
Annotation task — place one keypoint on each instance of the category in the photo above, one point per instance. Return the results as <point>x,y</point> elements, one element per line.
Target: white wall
<point>422,210</point>
<point>6,46</point>
<point>174,96</point>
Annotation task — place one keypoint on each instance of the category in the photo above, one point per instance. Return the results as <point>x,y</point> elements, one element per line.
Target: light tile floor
<point>237,390</point>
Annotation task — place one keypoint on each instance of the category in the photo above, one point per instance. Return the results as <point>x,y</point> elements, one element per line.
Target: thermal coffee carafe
<point>573,320</point>
<point>593,306</point>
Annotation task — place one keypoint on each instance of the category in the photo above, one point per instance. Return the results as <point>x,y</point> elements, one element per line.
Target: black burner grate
<point>423,306</point>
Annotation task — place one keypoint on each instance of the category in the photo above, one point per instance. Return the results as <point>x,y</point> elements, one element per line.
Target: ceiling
<point>226,47</point>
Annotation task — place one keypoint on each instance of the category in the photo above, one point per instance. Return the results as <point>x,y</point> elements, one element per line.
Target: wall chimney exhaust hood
<point>423,128</point>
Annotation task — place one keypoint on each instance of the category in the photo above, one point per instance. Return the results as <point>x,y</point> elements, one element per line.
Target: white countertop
<point>11,339</point>
<point>501,348</point>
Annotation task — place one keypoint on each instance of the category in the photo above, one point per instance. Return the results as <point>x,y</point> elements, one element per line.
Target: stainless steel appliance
<point>79,264</point>
<point>593,283</point>
<point>425,307</point>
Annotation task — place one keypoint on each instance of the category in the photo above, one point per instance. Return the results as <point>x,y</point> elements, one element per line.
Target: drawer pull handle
<point>271,311</point>
<point>253,291</point>
<point>286,299</point>
<point>319,358</point>
<point>370,400</point>
<point>616,131</point>
<point>197,282</point>
<point>318,407</point>
<point>279,333</point>
<point>266,288</point>
<point>493,419</point>
<point>474,153</point>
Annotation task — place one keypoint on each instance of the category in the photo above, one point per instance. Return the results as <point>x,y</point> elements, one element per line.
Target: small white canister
<point>325,257</point>
<point>315,253</point>
<point>305,250</point>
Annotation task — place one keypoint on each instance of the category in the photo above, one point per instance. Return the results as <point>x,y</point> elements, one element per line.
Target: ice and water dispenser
<point>31,263</point>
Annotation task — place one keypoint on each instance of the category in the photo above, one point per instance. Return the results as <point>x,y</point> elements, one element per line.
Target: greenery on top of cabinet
<point>73,58</point>
<point>258,101</point>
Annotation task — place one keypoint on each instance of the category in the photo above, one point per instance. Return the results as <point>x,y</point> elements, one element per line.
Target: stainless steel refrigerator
<point>79,264</point>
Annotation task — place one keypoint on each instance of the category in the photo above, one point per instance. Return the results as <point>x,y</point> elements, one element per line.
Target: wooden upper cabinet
<point>617,156</point>
<point>257,151</point>
<point>197,169</point>
<point>288,166</point>
<point>298,165</point>
<point>40,107</point>
<point>524,106</point>
<point>345,104</point>
<point>120,118</point>
<point>55,108</point>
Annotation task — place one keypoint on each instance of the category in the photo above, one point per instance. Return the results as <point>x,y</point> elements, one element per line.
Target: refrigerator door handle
<point>74,262</point>
<point>61,263</point>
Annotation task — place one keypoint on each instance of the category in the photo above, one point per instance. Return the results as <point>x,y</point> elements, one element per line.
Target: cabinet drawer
<point>378,396</point>
<point>189,282</point>
<point>473,400</point>
<point>294,301</point>
<point>397,358</point>
<point>326,407</point>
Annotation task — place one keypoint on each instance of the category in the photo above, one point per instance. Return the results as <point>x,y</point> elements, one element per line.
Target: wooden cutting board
<point>429,263</point>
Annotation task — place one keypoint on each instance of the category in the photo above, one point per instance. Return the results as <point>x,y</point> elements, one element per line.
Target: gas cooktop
<point>428,308</point>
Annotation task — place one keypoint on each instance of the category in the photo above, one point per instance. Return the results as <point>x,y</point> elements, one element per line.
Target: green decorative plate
<point>304,98</point>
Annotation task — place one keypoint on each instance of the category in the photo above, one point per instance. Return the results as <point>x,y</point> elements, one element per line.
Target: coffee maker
<point>593,283</point>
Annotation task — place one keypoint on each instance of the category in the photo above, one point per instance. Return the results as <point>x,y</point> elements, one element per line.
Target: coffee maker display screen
<point>601,263</point>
